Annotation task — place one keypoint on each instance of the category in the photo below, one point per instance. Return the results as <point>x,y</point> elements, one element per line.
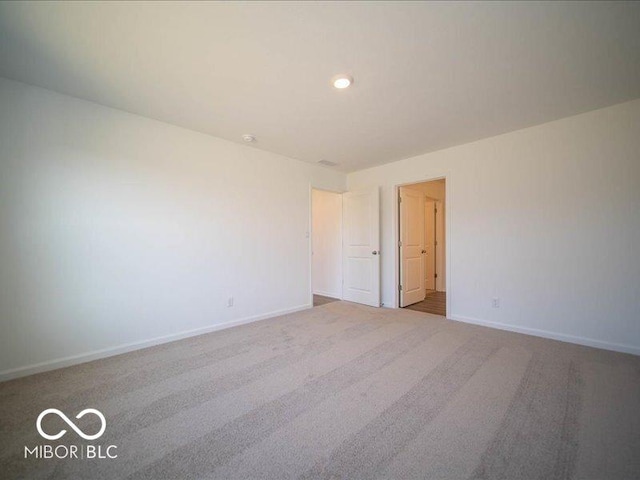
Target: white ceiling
<point>427,75</point>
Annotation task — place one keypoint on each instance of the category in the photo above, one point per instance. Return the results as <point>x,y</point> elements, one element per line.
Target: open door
<point>412,246</point>
<point>440,248</point>
<point>361,247</point>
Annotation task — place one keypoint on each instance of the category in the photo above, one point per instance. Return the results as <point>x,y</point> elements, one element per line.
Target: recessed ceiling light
<point>342,81</point>
<point>247,137</point>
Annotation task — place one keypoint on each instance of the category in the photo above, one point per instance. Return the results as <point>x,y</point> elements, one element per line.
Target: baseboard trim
<point>589,342</point>
<point>129,347</point>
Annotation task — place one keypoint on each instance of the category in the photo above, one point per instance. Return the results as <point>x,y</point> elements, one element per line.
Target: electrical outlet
<point>230,302</point>
<point>495,302</point>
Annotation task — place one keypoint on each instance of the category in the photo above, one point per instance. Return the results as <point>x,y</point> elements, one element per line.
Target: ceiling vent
<point>327,163</point>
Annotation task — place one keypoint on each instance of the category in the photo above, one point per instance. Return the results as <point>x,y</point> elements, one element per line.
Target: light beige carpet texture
<point>340,391</point>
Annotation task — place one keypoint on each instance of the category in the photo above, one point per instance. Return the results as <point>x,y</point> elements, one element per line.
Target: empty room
<point>320,240</point>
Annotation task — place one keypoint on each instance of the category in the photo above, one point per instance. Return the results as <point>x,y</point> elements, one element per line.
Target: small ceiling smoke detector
<point>327,163</point>
<point>342,81</point>
<point>247,137</point>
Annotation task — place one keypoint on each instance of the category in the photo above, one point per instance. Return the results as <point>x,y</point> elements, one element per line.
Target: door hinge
<point>435,243</point>
<point>435,275</point>
<point>400,287</point>
<point>435,210</point>
<point>400,243</point>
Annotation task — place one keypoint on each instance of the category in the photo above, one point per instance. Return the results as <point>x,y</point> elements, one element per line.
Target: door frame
<point>396,235</point>
<point>313,187</point>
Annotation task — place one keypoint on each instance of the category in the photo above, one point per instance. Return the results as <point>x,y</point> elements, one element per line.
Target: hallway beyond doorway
<point>322,300</point>
<point>434,302</point>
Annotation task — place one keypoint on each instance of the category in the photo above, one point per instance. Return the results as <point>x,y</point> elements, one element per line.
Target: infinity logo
<point>70,423</point>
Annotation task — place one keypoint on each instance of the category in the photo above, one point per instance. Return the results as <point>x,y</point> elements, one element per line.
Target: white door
<point>430,244</point>
<point>361,247</point>
<point>412,276</point>
<point>440,248</point>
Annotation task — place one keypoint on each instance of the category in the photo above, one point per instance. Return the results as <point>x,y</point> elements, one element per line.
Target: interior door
<point>440,247</point>
<point>412,233</point>
<point>361,247</point>
<point>430,244</point>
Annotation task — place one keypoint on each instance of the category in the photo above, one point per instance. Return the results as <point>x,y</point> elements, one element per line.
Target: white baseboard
<point>589,342</point>
<point>327,294</point>
<point>129,347</point>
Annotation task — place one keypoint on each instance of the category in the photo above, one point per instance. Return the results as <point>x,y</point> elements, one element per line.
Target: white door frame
<point>312,187</point>
<point>396,235</point>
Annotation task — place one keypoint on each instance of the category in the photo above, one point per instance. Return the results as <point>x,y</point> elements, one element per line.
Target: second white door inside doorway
<point>430,244</point>
<point>421,209</point>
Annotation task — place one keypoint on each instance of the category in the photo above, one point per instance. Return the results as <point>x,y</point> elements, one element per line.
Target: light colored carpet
<point>341,391</point>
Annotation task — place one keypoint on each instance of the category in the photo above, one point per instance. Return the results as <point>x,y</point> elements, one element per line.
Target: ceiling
<point>427,75</point>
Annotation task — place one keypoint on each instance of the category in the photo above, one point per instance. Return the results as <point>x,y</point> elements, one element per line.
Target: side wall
<point>118,231</point>
<point>547,219</point>
<point>327,243</point>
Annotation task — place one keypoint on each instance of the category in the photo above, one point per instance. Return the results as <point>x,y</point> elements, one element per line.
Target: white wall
<point>546,218</point>
<point>116,230</point>
<point>327,243</point>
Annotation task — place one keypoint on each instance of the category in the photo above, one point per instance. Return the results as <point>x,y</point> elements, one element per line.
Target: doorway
<point>344,246</point>
<point>326,246</point>
<point>421,246</point>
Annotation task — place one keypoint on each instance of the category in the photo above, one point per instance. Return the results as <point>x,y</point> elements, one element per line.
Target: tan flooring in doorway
<point>435,302</point>
<point>322,300</point>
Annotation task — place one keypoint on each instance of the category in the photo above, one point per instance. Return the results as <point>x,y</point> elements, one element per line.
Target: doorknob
<point>375,252</point>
